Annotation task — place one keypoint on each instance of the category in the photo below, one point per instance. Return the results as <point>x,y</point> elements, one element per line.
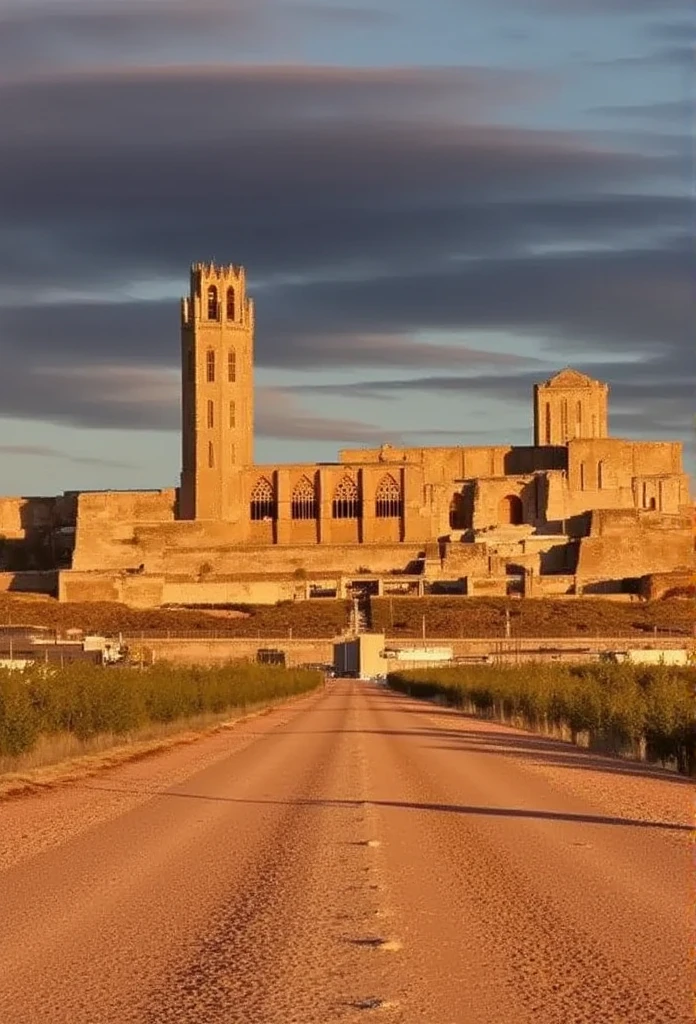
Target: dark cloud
<point>33,451</point>
<point>372,208</point>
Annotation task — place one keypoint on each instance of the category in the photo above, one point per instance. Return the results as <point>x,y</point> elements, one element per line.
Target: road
<point>354,856</point>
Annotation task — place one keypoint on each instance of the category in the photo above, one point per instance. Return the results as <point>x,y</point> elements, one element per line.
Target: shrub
<point>621,707</point>
<point>87,700</point>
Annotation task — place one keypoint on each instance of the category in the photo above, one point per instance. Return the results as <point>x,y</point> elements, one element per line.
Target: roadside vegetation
<point>84,702</point>
<point>454,617</point>
<point>648,713</point>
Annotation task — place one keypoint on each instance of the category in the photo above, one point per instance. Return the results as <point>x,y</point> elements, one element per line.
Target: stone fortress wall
<point>576,510</point>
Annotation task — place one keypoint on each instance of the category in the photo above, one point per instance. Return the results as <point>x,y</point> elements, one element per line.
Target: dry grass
<point>454,617</point>
<point>305,619</point>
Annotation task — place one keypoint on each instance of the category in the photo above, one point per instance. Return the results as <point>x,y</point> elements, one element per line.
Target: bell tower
<point>569,405</point>
<point>217,394</point>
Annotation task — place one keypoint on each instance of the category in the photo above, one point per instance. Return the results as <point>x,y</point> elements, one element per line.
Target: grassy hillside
<point>449,617</point>
<point>454,617</point>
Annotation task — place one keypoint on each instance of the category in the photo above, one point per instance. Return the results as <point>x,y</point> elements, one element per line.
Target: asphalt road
<point>356,856</point>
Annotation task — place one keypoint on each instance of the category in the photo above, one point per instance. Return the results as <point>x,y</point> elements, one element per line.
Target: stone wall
<point>631,544</point>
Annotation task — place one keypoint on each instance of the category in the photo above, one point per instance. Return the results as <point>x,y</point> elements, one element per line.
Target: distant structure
<point>576,512</point>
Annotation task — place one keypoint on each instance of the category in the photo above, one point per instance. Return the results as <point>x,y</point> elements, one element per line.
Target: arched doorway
<point>510,511</point>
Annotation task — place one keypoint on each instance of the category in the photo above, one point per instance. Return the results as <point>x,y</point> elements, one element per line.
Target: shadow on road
<point>494,812</point>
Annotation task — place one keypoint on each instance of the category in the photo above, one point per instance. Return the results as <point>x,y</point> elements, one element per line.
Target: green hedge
<point>87,701</point>
<point>647,711</point>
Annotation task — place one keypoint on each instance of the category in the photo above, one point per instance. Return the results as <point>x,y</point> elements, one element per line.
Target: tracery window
<point>231,304</point>
<point>304,502</point>
<point>213,307</point>
<point>231,366</point>
<point>210,366</point>
<point>388,502</point>
<point>263,502</point>
<point>346,500</point>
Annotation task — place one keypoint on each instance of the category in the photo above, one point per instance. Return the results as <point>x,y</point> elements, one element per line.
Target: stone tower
<point>217,360</point>
<point>569,405</point>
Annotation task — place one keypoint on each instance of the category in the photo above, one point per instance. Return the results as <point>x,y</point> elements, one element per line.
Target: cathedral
<point>575,511</point>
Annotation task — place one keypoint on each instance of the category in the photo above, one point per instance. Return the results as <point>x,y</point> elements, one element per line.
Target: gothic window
<point>388,503</point>
<point>263,503</point>
<point>211,455</point>
<point>304,502</point>
<point>231,310</point>
<point>231,366</point>
<point>213,308</point>
<point>346,500</point>
<point>210,366</point>
<point>211,415</point>
<point>547,419</point>
<point>190,366</point>
<point>233,415</point>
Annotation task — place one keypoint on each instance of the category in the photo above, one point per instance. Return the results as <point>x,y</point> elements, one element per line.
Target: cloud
<point>377,210</point>
<point>27,451</point>
<point>278,415</point>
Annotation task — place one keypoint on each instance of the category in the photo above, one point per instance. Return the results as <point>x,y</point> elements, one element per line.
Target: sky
<point>437,205</point>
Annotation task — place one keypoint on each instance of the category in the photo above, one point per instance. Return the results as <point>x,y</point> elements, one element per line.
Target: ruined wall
<point>631,544</point>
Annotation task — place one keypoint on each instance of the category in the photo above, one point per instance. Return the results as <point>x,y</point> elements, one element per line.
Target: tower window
<point>582,476</point>
<point>211,415</point>
<point>211,455</point>
<point>213,307</point>
<point>564,419</point>
<point>263,503</point>
<point>346,500</point>
<point>210,366</point>
<point>388,503</point>
<point>601,482</point>
<point>231,304</point>
<point>547,423</point>
<point>231,366</point>
<point>578,420</point>
<point>233,415</point>
<point>304,503</point>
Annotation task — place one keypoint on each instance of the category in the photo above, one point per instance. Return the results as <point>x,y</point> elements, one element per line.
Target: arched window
<point>388,503</point>
<point>578,420</point>
<point>233,415</point>
<point>231,305</point>
<point>601,481</point>
<point>547,422</point>
<point>231,366</point>
<point>304,502</point>
<point>211,455</point>
<point>511,511</point>
<point>263,503</point>
<point>652,505</point>
<point>211,414</point>
<point>564,419</point>
<point>190,365</point>
<point>346,500</point>
<point>582,476</point>
<point>213,308</point>
<point>210,366</point>
<point>457,513</point>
